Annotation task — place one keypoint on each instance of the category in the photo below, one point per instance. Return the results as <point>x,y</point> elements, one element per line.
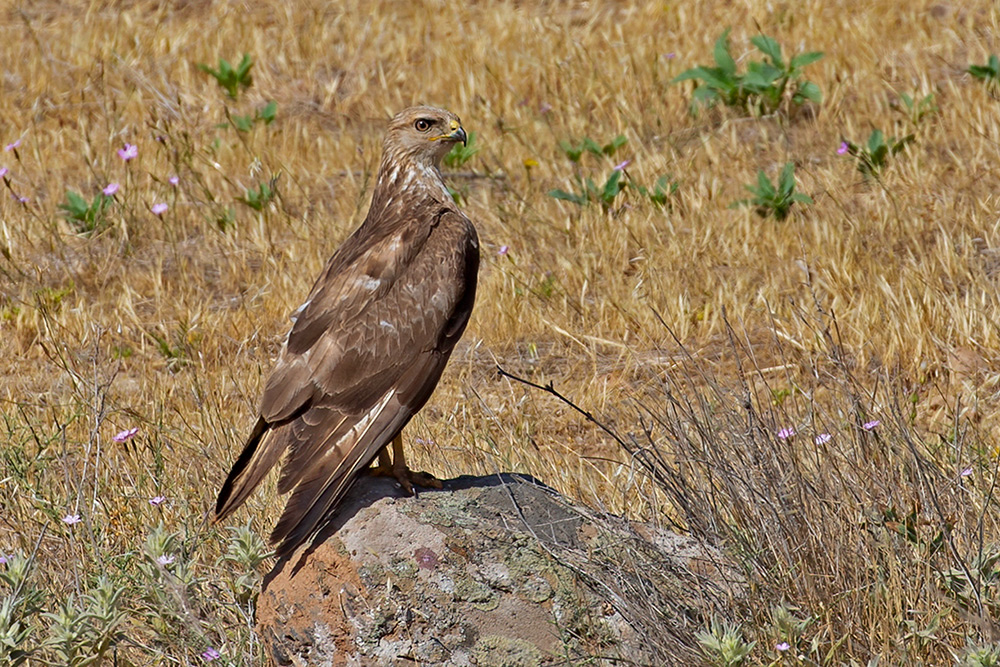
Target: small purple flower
<point>843,148</point>
<point>156,501</point>
<point>159,209</point>
<point>11,146</point>
<point>870,426</point>
<point>503,251</point>
<point>127,434</point>
<point>670,56</point>
<point>783,646</point>
<point>165,560</point>
<point>3,171</point>
<point>128,153</point>
<point>621,165</point>
<point>19,198</point>
<point>786,433</point>
<point>823,438</point>
<point>72,519</point>
<point>173,180</point>
<point>544,108</point>
<point>210,654</point>
<point>3,559</point>
<point>111,189</point>
<point>966,472</point>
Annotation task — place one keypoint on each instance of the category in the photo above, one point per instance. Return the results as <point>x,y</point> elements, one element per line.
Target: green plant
<point>82,632</point>
<point>266,114</point>
<point>771,200</point>
<point>723,644</point>
<point>461,153</point>
<point>990,72</point>
<point>21,602</point>
<point>918,109</point>
<point>245,552</point>
<point>86,217</point>
<point>574,151</point>
<point>231,79</point>
<point>980,656</point>
<point>762,88</point>
<point>258,198</point>
<point>661,192</point>
<point>875,154</point>
<point>589,191</point>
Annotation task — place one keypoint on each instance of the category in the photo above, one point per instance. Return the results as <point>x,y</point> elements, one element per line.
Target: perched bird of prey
<point>369,344</point>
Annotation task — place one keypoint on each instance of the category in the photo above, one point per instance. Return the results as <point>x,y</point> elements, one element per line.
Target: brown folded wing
<point>363,356</point>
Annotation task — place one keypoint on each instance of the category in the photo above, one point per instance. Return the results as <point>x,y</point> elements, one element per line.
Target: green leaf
<point>592,146</point>
<point>801,198</point>
<point>76,203</point>
<point>268,112</point>
<point>568,196</point>
<point>757,81</point>
<point>722,57</point>
<point>902,143</point>
<point>764,186</point>
<point>786,181</point>
<point>616,143</point>
<point>804,59</point>
<point>611,187</point>
<point>243,123</point>
<point>770,48</point>
<point>243,69</point>
<point>878,155</point>
<point>705,95</point>
<point>808,90</point>
<point>571,151</point>
<point>875,140</point>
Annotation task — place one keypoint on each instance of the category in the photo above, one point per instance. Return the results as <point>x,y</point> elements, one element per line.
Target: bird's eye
<point>422,125</point>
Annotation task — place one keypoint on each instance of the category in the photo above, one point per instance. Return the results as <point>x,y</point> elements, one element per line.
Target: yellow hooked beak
<point>457,134</point>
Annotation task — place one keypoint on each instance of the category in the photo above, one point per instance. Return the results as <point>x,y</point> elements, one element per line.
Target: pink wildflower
<point>128,153</point>
<point>127,434</point>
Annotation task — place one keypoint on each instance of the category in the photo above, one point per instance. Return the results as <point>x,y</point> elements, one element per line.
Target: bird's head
<point>423,135</point>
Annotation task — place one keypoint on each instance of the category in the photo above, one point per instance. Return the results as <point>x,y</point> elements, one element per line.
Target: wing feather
<point>364,355</point>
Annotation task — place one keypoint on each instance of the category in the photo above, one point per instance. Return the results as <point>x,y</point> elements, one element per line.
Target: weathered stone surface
<point>492,571</point>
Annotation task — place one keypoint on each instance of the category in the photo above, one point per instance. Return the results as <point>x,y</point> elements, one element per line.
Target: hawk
<point>369,344</point>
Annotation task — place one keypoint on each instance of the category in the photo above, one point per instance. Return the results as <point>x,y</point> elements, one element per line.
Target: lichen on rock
<point>496,570</point>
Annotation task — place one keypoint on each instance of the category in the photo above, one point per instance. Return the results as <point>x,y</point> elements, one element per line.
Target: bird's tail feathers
<point>253,463</point>
<point>317,493</point>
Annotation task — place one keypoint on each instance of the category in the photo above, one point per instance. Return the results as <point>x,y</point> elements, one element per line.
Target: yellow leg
<point>397,468</point>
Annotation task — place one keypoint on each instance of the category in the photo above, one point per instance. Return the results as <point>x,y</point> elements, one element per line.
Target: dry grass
<point>879,301</point>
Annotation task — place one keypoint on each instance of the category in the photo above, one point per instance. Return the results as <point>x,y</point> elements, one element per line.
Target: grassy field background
<point>695,331</point>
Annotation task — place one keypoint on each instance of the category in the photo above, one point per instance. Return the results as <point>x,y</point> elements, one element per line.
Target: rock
<point>495,571</point>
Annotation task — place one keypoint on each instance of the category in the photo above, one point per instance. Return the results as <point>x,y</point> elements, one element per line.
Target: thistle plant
<point>723,644</point>
<point>988,73</point>
<point>874,155</point>
<point>762,88</point>
<point>86,217</point>
<point>231,79</point>
<point>576,150</point>
<point>771,199</point>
